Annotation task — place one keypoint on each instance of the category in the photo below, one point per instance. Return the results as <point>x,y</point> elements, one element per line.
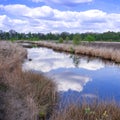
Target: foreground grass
<point>23,95</point>
<point>94,111</point>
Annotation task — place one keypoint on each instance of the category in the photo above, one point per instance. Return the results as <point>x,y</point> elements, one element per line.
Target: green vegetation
<point>67,39</point>
<point>72,51</point>
<point>60,40</point>
<point>76,39</point>
<point>90,38</point>
<point>106,36</point>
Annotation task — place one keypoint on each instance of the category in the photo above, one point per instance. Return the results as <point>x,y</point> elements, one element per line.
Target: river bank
<point>23,95</point>
<point>28,96</point>
<point>104,50</point>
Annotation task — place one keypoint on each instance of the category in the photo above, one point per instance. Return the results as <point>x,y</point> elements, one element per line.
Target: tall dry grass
<point>109,51</point>
<point>37,92</point>
<point>26,95</point>
<point>94,111</point>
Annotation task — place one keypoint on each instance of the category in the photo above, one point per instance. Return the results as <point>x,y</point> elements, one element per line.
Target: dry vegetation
<point>109,51</point>
<point>23,95</point>
<point>95,111</point>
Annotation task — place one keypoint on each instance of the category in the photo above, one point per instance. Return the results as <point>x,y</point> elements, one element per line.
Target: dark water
<point>77,76</point>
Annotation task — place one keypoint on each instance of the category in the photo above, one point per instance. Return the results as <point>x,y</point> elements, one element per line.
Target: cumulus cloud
<point>46,19</point>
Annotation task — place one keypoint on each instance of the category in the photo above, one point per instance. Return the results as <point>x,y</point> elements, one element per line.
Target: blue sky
<point>60,15</point>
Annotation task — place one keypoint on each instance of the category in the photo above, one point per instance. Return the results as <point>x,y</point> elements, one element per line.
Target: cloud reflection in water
<point>73,73</point>
<point>70,81</point>
<point>46,60</point>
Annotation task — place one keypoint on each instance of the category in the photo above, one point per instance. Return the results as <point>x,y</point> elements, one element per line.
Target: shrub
<point>67,39</point>
<point>76,39</point>
<point>60,40</point>
<point>90,38</point>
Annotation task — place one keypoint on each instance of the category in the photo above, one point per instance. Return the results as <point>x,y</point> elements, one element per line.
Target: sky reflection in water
<point>76,75</point>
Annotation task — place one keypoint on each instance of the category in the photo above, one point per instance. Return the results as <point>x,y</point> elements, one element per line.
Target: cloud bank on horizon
<point>46,17</point>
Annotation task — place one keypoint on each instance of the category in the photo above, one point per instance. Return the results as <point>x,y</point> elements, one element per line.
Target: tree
<point>76,39</point>
<point>64,35</point>
<point>90,38</point>
<point>67,39</point>
<point>60,40</point>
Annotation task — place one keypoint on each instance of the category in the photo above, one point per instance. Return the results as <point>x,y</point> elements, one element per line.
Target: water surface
<point>76,76</point>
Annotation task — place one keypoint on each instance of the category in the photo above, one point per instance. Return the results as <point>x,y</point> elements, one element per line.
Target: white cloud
<point>17,9</point>
<point>46,19</point>
<point>64,2</point>
<point>70,81</point>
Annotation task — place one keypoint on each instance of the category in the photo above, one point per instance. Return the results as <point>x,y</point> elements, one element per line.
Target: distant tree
<point>90,38</point>
<point>67,39</point>
<point>64,35</point>
<point>60,40</point>
<point>76,39</point>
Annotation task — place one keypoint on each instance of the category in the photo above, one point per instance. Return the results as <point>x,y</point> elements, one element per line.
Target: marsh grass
<point>26,95</point>
<point>108,51</point>
<point>94,111</point>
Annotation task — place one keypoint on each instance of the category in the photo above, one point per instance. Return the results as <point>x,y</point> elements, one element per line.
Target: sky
<point>56,16</point>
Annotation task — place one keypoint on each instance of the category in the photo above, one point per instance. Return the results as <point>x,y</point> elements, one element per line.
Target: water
<point>76,76</point>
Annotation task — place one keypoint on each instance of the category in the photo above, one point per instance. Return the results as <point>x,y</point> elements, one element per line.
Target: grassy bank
<point>23,95</point>
<point>109,51</point>
<point>95,111</point>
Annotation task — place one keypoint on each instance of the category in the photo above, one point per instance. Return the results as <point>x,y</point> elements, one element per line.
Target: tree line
<point>106,36</point>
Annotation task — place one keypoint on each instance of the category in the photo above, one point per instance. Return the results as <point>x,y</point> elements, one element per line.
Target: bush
<point>60,40</point>
<point>76,39</point>
<point>67,39</point>
<point>90,38</point>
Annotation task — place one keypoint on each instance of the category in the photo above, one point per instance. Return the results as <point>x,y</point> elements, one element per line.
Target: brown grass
<point>26,95</point>
<point>95,111</point>
<point>109,51</point>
